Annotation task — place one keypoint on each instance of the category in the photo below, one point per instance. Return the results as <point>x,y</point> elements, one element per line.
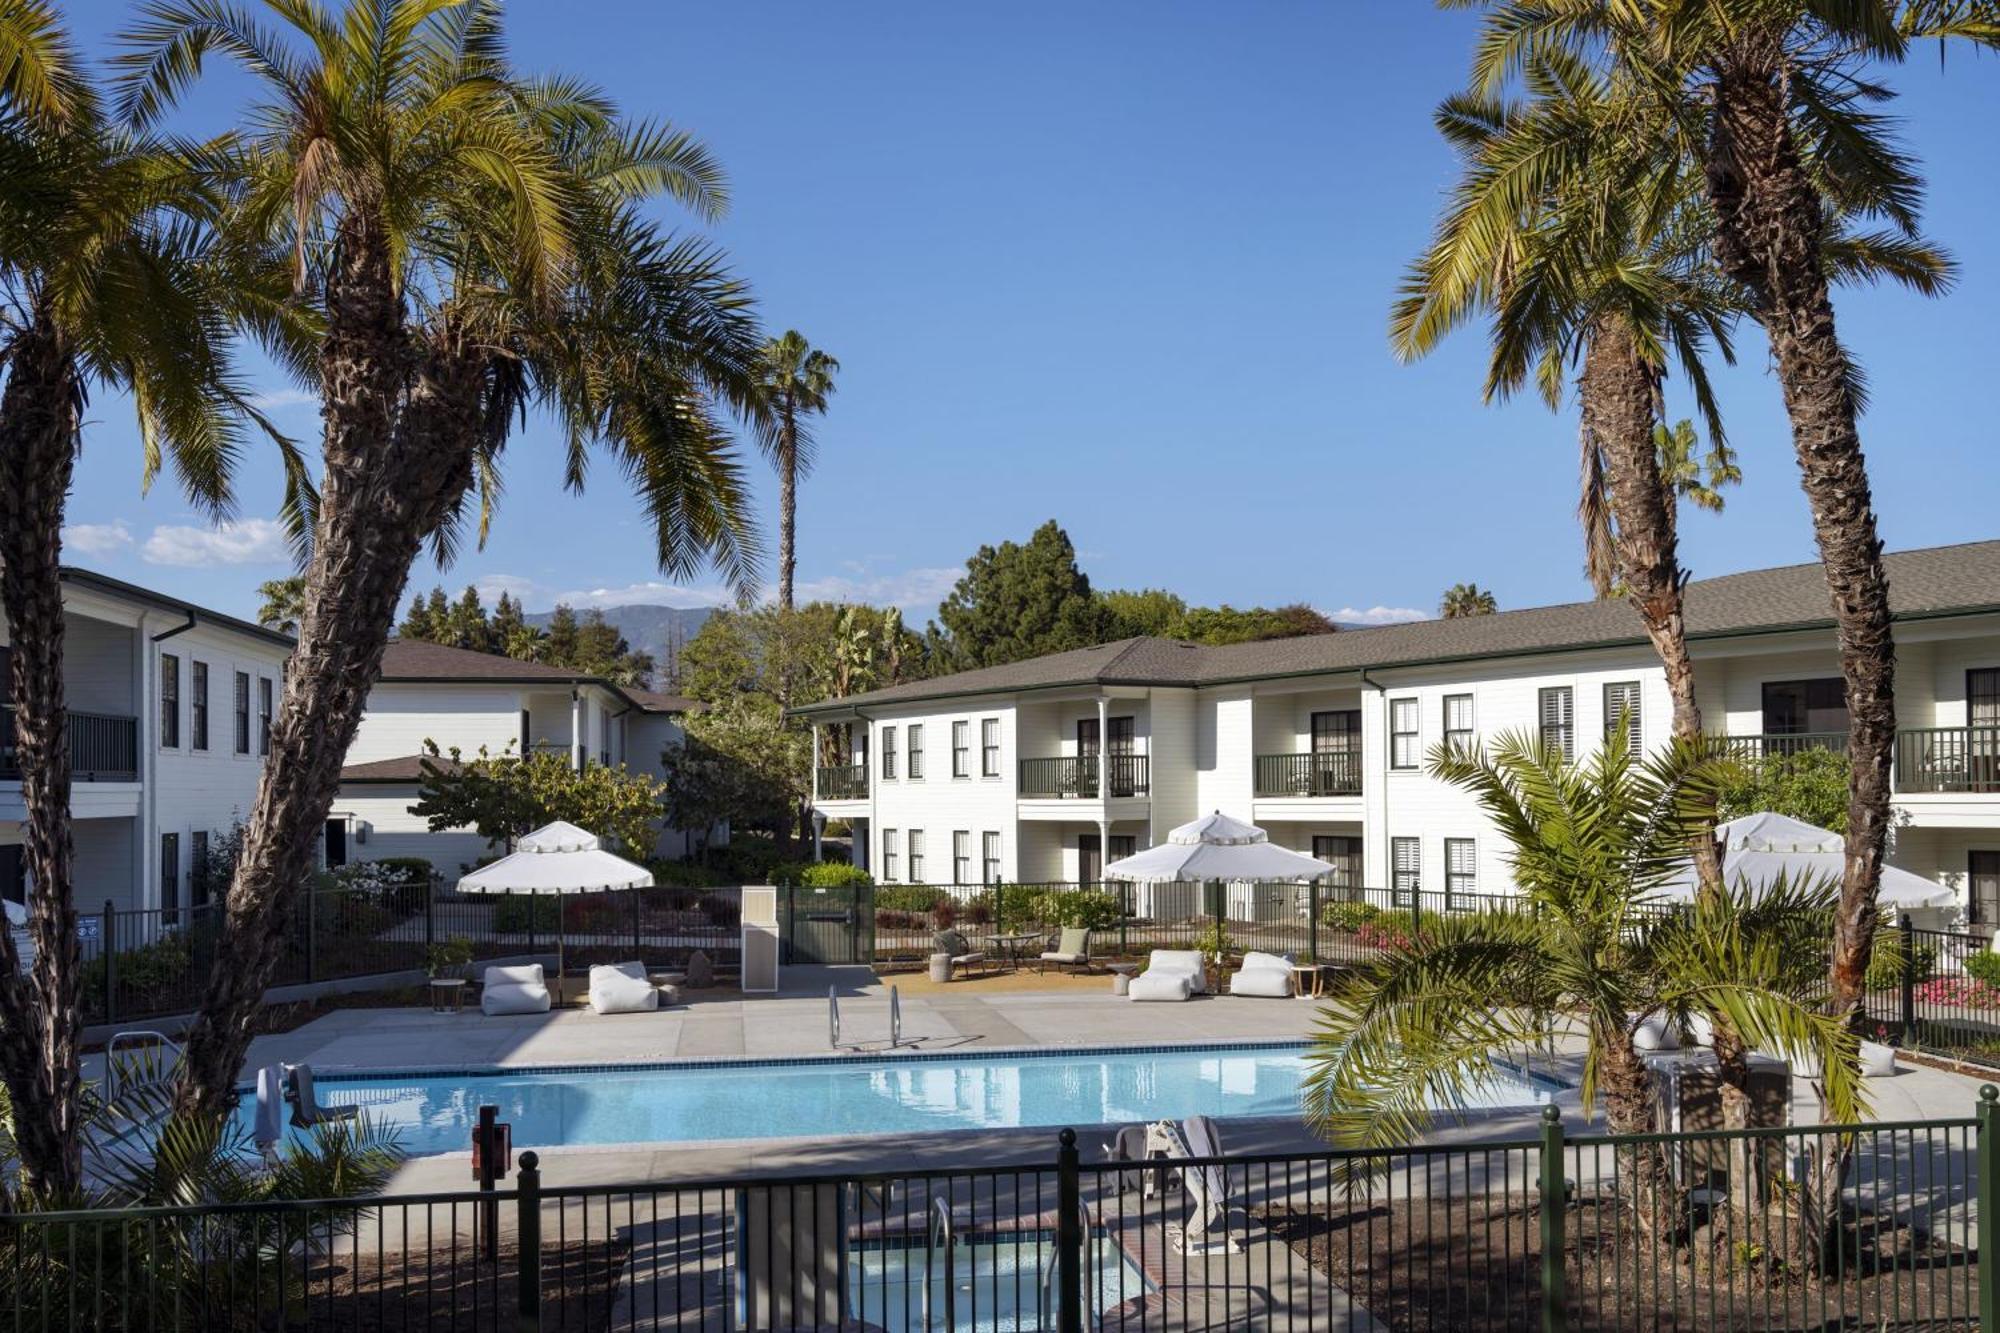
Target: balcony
<point>1327,773</point>
<point>1076,777</point>
<point>1778,745</point>
<point>1948,759</point>
<point>843,782</point>
<point>102,748</point>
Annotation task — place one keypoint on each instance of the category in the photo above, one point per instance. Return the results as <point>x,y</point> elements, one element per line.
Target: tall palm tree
<point>284,602</point>
<point>1590,845</point>
<point>1466,599</point>
<point>472,239</point>
<point>110,277</point>
<point>796,379</point>
<point>1772,103</point>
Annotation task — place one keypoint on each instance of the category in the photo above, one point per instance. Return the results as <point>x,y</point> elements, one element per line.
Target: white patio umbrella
<point>559,859</point>
<point>1216,847</point>
<point>1759,848</point>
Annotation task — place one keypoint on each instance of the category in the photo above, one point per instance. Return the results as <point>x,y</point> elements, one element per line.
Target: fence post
<point>1554,1205</point>
<point>637,952</point>
<point>107,940</point>
<point>1312,919</point>
<point>533,904</point>
<point>1069,1237</point>
<point>528,1234</point>
<point>1416,907</point>
<point>1909,981</point>
<point>430,914</point>
<point>1986,1192</point>
<point>311,897</point>
<point>1124,916</point>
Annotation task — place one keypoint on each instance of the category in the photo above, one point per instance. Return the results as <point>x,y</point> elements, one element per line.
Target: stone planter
<point>940,968</point>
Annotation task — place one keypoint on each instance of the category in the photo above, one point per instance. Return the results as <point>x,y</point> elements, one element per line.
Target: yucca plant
<point>1588,956</point>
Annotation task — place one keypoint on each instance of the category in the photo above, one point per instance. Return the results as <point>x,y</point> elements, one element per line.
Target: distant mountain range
<point>660,630</point>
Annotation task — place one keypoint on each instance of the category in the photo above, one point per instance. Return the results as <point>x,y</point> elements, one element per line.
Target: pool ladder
<point>113,1071</point>
<point>941,1226</point>
<point>1054,1270</point>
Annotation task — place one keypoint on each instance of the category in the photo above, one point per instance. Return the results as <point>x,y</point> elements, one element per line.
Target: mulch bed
<point>1476,1265</point>
<point>579,1284</point>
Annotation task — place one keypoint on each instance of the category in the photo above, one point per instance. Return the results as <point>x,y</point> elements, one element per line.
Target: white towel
<point>270,1123</point>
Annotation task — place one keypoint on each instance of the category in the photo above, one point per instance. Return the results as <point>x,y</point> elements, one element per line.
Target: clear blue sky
<point>1128,265</point>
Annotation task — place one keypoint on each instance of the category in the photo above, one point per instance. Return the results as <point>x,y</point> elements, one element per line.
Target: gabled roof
<point>1937,581</point>
<point>417,662</point>
<point>406,768</point>
<point>132,592</point>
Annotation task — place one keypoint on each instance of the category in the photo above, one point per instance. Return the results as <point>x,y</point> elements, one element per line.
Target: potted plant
<point>448,961</point>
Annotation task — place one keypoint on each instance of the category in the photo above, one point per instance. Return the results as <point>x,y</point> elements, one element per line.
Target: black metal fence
<point>1865,1226</point>
<point>156,961</point>
<point>1936,990</point>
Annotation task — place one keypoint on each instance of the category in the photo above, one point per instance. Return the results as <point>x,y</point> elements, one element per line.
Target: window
<point>961,749</point>
<point>1621,704</point>
<point>1406,869</point>
<point>1461,869</point>
<point>1558,716</point>
<point>1344,855</point>
<point>1794,707</point>
<point>263,715</point>
<point>888,752</point>
<point>916,856</point>
<point>242,702</point>
<point>989,747</point>
<point>1123,845</point>
<point>989,870</point>
<point>889,856</point>
<point>961,856</point>
<point>198,885</point>
<point>1984,900</point>
<point>170,877</point>
<point>170,700</point>
<point>1402,733</point>
<point>198,708</point>
<point>1458,731</point>
<point>14,874</point>
<point>913,754</point>
<point>1336,753</point>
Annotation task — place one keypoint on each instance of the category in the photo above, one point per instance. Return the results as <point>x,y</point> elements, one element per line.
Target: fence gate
<point>828,925</point>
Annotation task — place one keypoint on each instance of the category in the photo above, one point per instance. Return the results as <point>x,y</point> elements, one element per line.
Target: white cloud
<point>250,541</point>
<point>1377,615</point>
<point>911,589</point>
<point>523,590</point>
<point>276,400</point>
<point>652,592</point>
<point>98,538</point>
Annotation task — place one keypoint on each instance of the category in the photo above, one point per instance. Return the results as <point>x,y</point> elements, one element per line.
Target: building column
<point>576,750</point>
<point>1103,748</point>
<point>1103,847</point>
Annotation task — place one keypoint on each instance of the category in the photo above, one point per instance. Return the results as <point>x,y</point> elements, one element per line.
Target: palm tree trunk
<point>40,1023</point>
<point>1768,231</point>
<point>1618,413</point>
<point>389,478</point>
<point>788,506</point>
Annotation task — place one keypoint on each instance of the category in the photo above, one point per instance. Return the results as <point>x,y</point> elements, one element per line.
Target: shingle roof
<point>414,659</point>
<point>652,701</point>
<point>1938,580</point>
<point>407,768</point>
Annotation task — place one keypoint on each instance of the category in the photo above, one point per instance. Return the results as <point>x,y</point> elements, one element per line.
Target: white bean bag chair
<point>1167,985</point>
<point>514,990</point>
<point>622,988</point>
<point>1878,1060</point>
<point>1263,974</point>
<point>1186,962</point>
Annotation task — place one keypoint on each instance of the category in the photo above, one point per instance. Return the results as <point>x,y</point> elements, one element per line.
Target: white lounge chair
<point>1187,962</point>
<point>514,990</point>
<point>622,988</point>
<point>1263,974</point>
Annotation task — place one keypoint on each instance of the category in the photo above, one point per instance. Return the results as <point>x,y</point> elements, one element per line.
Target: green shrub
<point>1349,917</point>
<point>1982,966</point>
<point>517,914</point>
<point>834,875</point>
<point>1885,963</point>
<point>1087,908</point>
<point>908,897</point>
<point>686,874</point>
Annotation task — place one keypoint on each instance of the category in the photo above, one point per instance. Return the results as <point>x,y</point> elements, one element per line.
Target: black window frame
<point>1815,694</point>
<point>1982,864</point>
<point>240,700</point>
<point>170,877</point>
<point>1398,888</point>
<point>1464,881</point>
<point>1413,707</point>
<point>913,855</point>
<point>1343,852</point>
<point>266,706</point>
<point>891,857</point>
<point>888,754</point>
<point>989,857</point>
<point>961,748</point>
<point>198,885</point>
<point>989,747</point>
<point>913,754</point>
<point>1464,737</point>
<point>1562,731</point>
<point>198,706</point>
<point>1634,709</point>
<point>961,855</point>
<point>170,701</point>
<point>1982,693</point>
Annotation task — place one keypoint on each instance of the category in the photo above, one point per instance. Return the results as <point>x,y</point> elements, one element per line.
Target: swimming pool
<point>700,1101</point>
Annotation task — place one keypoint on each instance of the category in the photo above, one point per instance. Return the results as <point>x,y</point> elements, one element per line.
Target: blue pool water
<point>696,1102</point>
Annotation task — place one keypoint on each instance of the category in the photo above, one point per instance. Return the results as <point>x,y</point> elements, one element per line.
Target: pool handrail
<point>895,1019</point>
<point>832,1018</point>
<point>940,1224</point>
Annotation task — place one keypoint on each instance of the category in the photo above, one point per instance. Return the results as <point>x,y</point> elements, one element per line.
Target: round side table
<point>447,994</point>
<point>1121,977</point>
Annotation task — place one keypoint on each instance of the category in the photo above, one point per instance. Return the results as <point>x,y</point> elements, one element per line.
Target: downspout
<point>164,635</point>
<point>149,767</point>
<point>1375,788</point>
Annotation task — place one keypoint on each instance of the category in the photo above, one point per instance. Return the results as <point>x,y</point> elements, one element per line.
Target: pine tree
<point>418,624</point>
<point>506,622</point>
<point>561,644</point>
<point>467,627</point>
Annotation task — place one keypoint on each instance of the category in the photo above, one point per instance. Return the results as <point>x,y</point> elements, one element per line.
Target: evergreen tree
<point>506,622</point>
<point>439,612</point>
<point>1019,601</point>
<point>560,642</point>
<point>467,627</point>
<point>418,624</point>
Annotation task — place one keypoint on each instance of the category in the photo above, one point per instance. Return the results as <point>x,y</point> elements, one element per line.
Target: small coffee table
<point>1121,977</point>
<point>447,994</point>
<point>1309,979</point>
<point>1010,948</point>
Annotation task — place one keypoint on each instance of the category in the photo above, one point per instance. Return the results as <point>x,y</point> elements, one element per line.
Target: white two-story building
<point>455,698</point>
<point>170,709</point>
<point>1044,769</point>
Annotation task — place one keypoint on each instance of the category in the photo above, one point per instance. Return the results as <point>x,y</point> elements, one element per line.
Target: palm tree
<point>796,379</point>
<point>1768,101</point>
<point>284,603</point>
<point>1466,599</point>
<point>473,241</point>
<point>1586,955</point>
<point>110,276</point>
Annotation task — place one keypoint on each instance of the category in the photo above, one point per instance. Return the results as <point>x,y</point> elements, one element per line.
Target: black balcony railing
<point>1948,759</point>
<point>1076,776</point>
<point>843,782</point>
<point>102,747</point>
<point>1774,745</point>
<point>1328,773</point>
